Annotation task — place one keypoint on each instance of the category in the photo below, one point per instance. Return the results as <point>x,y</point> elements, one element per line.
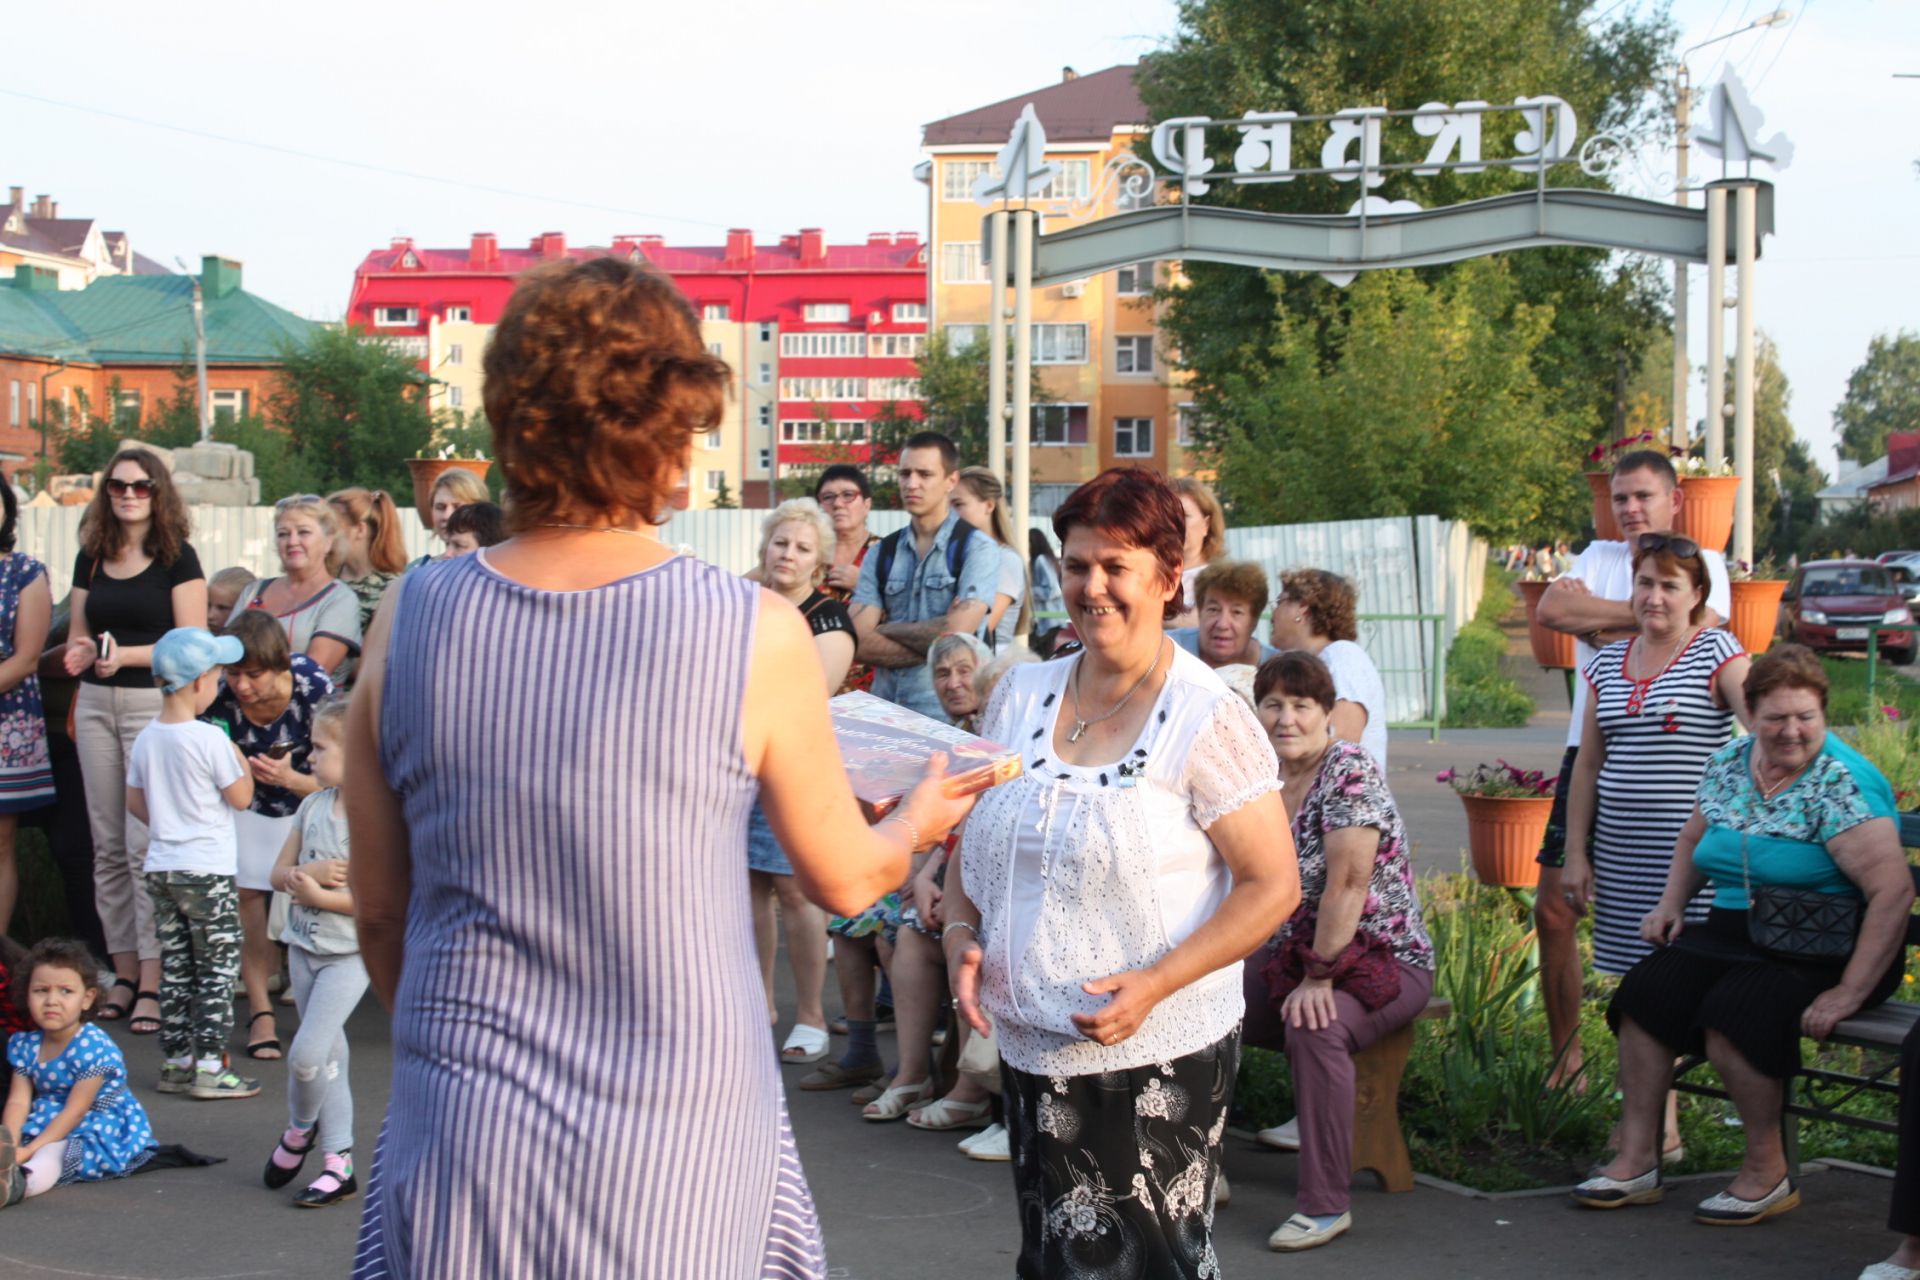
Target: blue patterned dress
<point>26,772</point>
<point>114,1138</point>
<point>582,1081</point>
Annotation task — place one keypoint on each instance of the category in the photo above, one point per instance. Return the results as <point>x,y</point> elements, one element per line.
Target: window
<point>1073,181</point>
<point>456,354</point>
<point>1059,344</point>
<point>1134,278</point>
<point>905,311</point>
<point>33,401</point>
<point>1128,200</point>
<point>819,431</point>
<point>766,458</point>
<point>765,374</point>
<point>823,388</point>
<point>716,481</point>
<point>1059,424</point>
<point>766,415</point>
<point>962,336</point>
<point>714,311</point>
<point>897,346</point>
<point>1189,426</point>
<point>810,345</point>
<point>456,397</point>
<point>1133,437</point>
<point>766,333</point>
<point>13,403</point>
<point>960,262</point>
<point>713,348</point>
<point>713,439</point>
<point>227,406</point>
<point>394,317</point>
<point>126,409</point>
<point>459,315</point>
<point>957,177</point>
<point>827,312</point>
<point>893,389</point>
<point>1133,353</point>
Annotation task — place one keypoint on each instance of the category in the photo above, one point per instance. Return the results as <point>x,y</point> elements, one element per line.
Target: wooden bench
<point>1817,1093</point>
<point>1378,1143</point>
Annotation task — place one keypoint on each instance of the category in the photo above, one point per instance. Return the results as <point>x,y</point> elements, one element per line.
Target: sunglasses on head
<point>302,499</point>
<point>138,488</point>
<point>1685,548</point>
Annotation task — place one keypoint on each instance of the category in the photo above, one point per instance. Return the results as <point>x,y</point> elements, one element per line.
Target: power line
<point>1783,45</point>
<point>387,170</point>
<point>1721,60</point>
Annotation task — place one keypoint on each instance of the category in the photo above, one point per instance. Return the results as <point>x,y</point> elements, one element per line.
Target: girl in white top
<point>1316,612</point>
<point>979,499</point>
<point>1103,900</point>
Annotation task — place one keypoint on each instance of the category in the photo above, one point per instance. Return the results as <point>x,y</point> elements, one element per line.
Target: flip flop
<point>137,1025</point>
<point>804,1044</point>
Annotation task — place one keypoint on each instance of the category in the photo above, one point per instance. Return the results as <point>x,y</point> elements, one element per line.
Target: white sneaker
<point>1301,1232</point>
<point>1285,1137</point>
<point>992,1145</point>
<point>973,1139</point>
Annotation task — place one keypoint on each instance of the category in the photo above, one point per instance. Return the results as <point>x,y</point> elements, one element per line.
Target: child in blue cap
<point>184,780</point>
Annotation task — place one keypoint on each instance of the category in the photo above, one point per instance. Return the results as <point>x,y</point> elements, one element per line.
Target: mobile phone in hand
<point>279,750</point>
<point>106,645</point>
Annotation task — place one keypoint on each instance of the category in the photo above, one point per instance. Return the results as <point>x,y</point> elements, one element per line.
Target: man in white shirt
<point>1592,602</point>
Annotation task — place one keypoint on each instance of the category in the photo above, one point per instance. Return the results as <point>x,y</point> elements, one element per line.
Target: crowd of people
<point>326,781</point>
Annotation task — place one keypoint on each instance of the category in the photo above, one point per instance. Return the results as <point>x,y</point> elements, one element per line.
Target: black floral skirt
<point>1114,1172</point>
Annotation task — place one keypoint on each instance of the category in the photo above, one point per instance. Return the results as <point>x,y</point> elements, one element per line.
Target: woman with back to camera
<point>547,804</point>
<point>369,549</point>
<point>136,578</point>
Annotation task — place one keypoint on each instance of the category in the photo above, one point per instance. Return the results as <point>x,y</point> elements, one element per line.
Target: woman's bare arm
<point>380,875</point>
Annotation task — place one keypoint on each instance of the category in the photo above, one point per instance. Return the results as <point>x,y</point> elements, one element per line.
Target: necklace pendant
<point>1079,727</point>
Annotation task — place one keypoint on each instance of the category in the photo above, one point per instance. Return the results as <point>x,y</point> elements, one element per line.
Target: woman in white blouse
<point>1104,899</point>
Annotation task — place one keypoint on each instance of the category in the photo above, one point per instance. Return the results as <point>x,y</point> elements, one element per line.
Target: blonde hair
<point>330,715</point>
<point>386,550</point>
<point>324,514</point>
<point>800,511</point>
<point>986,487</point>
<point>463,484</point>
<point>236,578</point>
<point>1216,540</point>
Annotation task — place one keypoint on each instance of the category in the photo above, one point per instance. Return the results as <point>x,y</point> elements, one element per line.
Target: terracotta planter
<point>1756,614</point>
<point>1604,526</point>
<point>1706,512</point>
<point>1503,837</point>
<point>427,470</point>
<point>1550,648</point>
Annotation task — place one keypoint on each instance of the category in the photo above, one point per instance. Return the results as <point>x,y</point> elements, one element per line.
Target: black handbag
<point>1800,926</point>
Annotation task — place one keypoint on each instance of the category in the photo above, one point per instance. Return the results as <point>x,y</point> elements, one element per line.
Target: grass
<point>1478,696</point>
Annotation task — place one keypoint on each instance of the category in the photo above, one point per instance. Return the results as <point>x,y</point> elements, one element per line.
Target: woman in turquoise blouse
<point>1807,811</point>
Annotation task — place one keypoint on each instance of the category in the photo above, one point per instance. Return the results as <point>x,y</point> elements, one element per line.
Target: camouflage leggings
<point>198,919</point>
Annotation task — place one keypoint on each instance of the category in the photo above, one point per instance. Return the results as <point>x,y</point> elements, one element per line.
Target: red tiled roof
<point>1085,109</point>
<point>707,259</point>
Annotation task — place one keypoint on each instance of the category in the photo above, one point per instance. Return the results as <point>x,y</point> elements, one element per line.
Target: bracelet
<point>913,832</point>
<point>958,924</point>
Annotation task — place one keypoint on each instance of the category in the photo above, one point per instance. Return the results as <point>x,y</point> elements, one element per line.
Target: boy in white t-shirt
<point>184,780</point>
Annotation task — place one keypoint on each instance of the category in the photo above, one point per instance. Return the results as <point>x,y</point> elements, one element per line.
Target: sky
<point>299,143</point>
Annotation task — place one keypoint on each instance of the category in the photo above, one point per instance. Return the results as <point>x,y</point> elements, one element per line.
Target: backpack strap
<point>883,567</point>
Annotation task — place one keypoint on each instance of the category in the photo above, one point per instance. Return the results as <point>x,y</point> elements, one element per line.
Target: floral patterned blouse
<point>1349,791</point>
<point>311,687</point>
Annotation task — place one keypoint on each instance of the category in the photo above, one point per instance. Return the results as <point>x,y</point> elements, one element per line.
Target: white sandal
<point>948,1114</point>
<point>805,1044</point>
<point>896,1102</point>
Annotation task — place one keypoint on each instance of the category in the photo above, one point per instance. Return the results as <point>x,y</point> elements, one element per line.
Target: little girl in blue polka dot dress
<point>69,1116</point>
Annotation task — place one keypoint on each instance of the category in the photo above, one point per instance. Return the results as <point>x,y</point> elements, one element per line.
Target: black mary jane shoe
<point>317,1197</point>
<point>276,1176</point>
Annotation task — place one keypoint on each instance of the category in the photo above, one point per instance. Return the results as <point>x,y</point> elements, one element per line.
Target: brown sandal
<point>831,1075</point>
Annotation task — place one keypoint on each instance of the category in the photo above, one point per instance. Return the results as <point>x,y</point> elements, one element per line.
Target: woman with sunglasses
<point>135,579</point>
<point>1662,702</point>
<point>320,613</point>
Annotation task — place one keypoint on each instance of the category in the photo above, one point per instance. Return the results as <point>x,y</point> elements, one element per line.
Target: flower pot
<point>1756,614</point>
<point>1706,512</point>
<point>1503,838</point>
<point>427,470</point>
<point>1604,527</point>
<point>1550,648</point>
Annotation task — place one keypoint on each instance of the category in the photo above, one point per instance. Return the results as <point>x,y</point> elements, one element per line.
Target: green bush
<point>1478,696</point>
<point>1476,653</point>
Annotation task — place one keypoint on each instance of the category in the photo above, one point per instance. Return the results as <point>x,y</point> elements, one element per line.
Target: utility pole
<point>1683,101</point>
<point>199,355</point>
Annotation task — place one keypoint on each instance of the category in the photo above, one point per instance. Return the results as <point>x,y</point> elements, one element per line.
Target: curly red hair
<point>596,383</point>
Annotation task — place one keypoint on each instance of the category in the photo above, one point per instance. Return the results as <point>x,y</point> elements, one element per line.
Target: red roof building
<point>821,337</point>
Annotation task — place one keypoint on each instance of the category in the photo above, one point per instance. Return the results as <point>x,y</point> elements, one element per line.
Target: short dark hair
<point>1785,666</point>
<point>1297,674</point>
<point>1647,460</point>
<point>949,452</point>
<point>843,471</point>
<point>486,522</point>
<point>263,640</point>
<point>57,953</point>
<point>1135,506</point>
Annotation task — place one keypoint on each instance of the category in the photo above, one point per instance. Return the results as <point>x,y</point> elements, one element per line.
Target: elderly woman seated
<point>1789,811</point>
<point>1230,596</point>
<point>1354,962</point>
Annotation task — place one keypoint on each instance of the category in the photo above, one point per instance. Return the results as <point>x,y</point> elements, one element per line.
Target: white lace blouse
<point>1081,872</point>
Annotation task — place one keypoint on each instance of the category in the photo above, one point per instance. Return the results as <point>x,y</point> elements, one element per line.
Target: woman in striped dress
<point>553,751</point>
<point>1663,702</point>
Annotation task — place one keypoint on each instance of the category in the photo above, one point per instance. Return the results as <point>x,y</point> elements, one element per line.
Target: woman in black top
<point>135,579</point>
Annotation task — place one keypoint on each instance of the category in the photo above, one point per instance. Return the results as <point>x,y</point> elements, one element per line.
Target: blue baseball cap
<point>185,654</point>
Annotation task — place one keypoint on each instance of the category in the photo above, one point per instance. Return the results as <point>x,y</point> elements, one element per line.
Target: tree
<point>1883,395</point>
<point>953,401</point>
<point>355,410</point>
<point>1781,463</point>
<point>723,497</point>
<point>1232,57</point>
<point>87,442</point>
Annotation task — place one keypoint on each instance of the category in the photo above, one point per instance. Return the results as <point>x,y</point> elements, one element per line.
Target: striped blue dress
<point>583,1083</point>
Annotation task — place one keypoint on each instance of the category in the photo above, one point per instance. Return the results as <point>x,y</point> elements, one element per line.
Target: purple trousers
<point>1322,1063</point>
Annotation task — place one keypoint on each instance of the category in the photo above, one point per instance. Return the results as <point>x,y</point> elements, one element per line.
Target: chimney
<point>739,247</point>
<point>41,209</point>
<point>879,239</point>
<point>53,208</point>
<point>402,242</point>
<point>552,245</point>
<point>906,239</point>
<point>1068,75</point>
<point>484,252</point>
<point>813,246</point>
<point>17,198</point>
<point>219,276</point>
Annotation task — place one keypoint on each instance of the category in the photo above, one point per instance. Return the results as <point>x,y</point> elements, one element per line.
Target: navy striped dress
<point>582,1082</point>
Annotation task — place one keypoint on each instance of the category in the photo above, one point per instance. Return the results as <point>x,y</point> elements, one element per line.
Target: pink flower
<point>1599,454</point>
<point>1893,713</point>
<point>1445,775</point>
